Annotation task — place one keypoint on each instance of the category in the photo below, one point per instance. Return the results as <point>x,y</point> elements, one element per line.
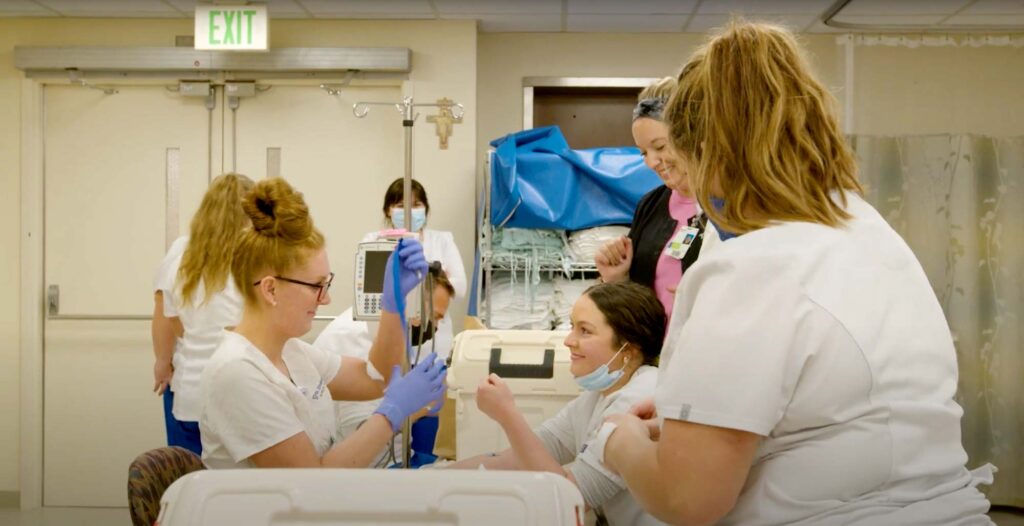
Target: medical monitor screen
<point>376,260</point>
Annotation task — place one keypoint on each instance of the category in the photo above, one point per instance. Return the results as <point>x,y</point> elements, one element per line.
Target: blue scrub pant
<point>179,433</point>
<point>424,433</point>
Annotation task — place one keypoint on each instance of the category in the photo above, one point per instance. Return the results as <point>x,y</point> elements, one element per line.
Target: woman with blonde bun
<point>808,374</point>
<point>266,395</point>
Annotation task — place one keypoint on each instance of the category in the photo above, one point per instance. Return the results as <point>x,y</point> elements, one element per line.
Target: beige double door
<point>123,175</point>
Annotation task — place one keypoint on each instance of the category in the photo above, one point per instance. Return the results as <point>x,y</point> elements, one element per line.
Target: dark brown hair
<point>395,193</point>
<point>440,278</point>
<point>634,314</point>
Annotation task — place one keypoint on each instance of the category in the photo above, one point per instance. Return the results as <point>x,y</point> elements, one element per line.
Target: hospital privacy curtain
<point>958,201</point>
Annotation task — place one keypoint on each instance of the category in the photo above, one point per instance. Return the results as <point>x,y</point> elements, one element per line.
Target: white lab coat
<point>831,345</point>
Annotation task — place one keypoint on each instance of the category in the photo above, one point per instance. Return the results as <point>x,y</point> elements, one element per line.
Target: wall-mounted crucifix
<point>444,121</point>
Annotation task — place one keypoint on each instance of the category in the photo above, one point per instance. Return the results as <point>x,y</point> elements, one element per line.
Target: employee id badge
<point>681,242</point>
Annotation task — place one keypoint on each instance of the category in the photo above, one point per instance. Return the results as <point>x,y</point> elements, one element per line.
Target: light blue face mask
<point>419,218</point>
<point>600,379</point>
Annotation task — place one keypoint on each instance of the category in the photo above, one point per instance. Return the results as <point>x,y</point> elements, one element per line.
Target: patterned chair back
<point>149,476</point>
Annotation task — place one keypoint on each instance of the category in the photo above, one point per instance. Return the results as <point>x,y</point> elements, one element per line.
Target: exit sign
<point>231,27</point>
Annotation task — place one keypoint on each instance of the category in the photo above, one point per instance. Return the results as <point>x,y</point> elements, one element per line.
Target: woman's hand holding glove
<point>408,394</point>
<point>413,267</point>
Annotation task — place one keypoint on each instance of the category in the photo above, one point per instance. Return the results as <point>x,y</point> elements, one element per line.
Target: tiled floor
<point>66,517</point>
<point>119,517</point>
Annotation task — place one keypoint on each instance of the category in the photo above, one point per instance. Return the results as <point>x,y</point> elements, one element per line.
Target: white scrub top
<point>249,405</point>
<point>440,246</point>
<point>831,345</point>
<point>347,337</point>
<point>203,323</point>
<point>163,282</point>
<point>569,434</point>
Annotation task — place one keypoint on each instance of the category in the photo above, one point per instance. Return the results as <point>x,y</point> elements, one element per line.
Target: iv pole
<point>406,107</point>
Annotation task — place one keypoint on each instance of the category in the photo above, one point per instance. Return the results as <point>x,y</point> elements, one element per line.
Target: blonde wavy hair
<point>282,235</point>
<point>761,132</point>
<point>659,89</point>
<point>215,229</point>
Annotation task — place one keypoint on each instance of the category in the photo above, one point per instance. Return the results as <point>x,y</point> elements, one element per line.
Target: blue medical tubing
<point>396,273</point>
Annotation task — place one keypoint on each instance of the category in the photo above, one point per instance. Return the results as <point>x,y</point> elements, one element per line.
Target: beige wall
<point>505,58</point>
<point>444,65</point>
<point>897,90</point>
<point>902,91</point>
<point>10,224</point>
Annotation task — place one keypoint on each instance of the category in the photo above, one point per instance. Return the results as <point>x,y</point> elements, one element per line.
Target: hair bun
<point>277,210</point>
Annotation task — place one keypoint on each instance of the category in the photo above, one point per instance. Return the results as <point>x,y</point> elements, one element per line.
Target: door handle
<point>53,300</point>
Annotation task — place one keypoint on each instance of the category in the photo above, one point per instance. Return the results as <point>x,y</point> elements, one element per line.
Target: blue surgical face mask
<point>719,204</point>
<point>600,379</point>
<point>419,218</point>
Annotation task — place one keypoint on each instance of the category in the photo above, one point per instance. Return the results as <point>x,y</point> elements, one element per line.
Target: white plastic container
<point>308,497</point>
<point>534,364</point>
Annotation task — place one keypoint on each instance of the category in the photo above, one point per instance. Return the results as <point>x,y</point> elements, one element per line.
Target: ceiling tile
<point>23,8</point>
<point>539,23</point>
<point>276,8</point>
<point>985,20</point>
<point>389,9</point>
<point>795,23</point>
<point>498,7</point>
<point>753,7</point>
<point>880,21</point>
<point>994,7</point>
<point>634,7</point>
<point>819,27</point>
<point>111,8</point>
<point>344,15</point>
<point>187,7</point>
<point>626,23</point>
<point>901,7</point>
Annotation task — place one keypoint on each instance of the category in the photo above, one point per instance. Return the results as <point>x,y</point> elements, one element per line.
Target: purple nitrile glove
<point>407,394</point>
<point>413,267</point>
<point>439,403</point>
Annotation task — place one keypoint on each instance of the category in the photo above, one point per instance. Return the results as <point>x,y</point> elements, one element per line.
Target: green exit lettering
<point>231,26</point>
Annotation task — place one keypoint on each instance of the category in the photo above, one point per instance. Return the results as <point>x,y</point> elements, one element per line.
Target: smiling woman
<point>615,341</point>
<point>266,395</point>
<point>664,216</point>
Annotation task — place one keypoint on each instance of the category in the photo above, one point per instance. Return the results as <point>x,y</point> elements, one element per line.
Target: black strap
<point>698,221</point>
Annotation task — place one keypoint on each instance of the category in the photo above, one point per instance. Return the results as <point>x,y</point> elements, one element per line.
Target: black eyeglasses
<point>320,287</point>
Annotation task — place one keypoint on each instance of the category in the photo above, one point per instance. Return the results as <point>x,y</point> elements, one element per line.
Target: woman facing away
<point>808,375</point>
<point>195,300</point>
